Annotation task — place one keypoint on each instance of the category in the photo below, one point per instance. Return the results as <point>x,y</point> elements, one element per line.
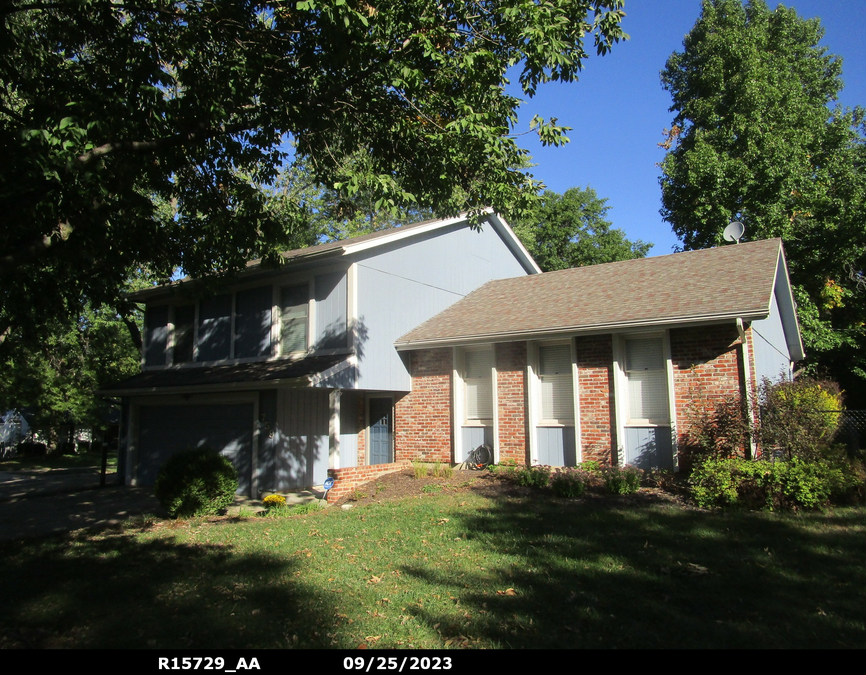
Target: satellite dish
<point>734,232</point>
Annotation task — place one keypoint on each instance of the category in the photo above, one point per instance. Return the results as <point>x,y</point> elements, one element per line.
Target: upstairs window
<point>647,381</point>
<point>557,388</point>
<point>184,322</point>
<point>478,380</point>
<point>294,311</point>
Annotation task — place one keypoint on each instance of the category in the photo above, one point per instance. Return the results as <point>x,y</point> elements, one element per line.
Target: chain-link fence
<point>851,430</point>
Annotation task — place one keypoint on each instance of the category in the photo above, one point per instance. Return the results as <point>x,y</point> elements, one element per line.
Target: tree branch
<point>159,143</point>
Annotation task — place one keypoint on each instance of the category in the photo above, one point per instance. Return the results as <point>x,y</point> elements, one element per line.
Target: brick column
<point>595,389</point>
<point>422,428</point>
<point>511,400</point>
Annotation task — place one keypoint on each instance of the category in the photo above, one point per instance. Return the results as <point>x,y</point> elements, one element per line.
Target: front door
<point>380,431</point>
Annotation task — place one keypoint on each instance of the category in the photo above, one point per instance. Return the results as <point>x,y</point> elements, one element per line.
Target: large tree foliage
<point>755,139</point>
<point>572,230</point>
<point>56,376</point>
<point>110,109</point>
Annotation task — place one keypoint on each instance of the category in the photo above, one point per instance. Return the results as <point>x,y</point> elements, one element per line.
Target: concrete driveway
<point>35,504</point>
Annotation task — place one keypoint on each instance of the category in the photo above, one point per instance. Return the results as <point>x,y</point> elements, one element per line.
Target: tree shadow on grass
<point>571,574</point>
<point>128,591</point>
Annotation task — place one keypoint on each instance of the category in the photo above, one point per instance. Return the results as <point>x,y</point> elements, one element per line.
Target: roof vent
<point>734,231</point>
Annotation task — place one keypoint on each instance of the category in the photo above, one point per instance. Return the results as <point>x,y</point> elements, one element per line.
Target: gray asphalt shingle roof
<point>730,281</point>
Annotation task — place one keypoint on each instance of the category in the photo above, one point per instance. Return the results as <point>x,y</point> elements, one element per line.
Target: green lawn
<point>451,569</point>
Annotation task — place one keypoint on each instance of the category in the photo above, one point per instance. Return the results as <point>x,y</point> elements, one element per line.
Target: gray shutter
<point>253,322</point>
<point>215,328</point>
<point>184,319</point>
<point>155,335</point>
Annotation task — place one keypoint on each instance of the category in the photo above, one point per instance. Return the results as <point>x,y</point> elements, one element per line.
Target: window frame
<point>568,421</point>
<point>308,316</point>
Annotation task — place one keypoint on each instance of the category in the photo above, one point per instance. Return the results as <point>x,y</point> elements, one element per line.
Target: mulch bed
<point>403,484</point>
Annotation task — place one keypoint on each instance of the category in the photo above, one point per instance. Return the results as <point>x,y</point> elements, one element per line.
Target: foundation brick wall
<point>511,401</point>
<point>349,479</point>
<point>707,367</point>
<point>595,387</point>
<point>422,424</point>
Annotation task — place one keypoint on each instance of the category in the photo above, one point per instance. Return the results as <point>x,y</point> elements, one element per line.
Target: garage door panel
<point>165,430</point>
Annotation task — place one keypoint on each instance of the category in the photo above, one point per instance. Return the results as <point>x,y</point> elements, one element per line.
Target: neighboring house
<point>597,363</point>
<point>293,372</point>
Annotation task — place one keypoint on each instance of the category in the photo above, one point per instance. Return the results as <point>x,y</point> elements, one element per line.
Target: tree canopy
<point>571,230</point>
<point>756,138</point>
<point>141,133</point>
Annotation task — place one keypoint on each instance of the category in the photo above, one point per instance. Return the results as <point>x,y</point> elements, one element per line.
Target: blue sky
<point>618,108</point>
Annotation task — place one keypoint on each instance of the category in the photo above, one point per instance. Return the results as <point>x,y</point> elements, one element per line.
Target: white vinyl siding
<point>294,304</point>
<point>647,381</point>
<point>479,385</point>
<point>555,378</point>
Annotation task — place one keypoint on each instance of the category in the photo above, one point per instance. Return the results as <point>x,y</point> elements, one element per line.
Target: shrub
<point>569,483</point>
<point>799,419</point>
<point>718,430</point>
<point>591,466</point>
<point>783,484</point>
<point>622,480</point>
<point>196,482</point>
<point>533,476</point>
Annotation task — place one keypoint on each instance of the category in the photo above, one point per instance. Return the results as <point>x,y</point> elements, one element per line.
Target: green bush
<point>569,483</point>
<point>197,482</point>
<point>533,476</point>
<point>590,465</point>
<point>779,485</point>
<point>799,419</point>
<point>621,480</point>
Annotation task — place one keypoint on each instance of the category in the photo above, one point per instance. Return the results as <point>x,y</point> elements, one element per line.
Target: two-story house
<point>293,372</point>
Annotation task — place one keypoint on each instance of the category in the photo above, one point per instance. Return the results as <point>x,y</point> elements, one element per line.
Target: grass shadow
<point>556,573</point>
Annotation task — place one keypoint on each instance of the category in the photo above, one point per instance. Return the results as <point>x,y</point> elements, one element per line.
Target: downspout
<point>747,376</point>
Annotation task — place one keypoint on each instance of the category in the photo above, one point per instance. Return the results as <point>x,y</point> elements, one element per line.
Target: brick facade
<point>708,367</point>
<point>511,401</point>
<point>596,398</point>
<point>422,418</point>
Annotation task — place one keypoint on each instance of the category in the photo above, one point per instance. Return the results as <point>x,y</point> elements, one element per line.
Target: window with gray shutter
<point>557,389</point>
<point>647,381</point>
<point>294,307</point>
<point>478,378</point>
